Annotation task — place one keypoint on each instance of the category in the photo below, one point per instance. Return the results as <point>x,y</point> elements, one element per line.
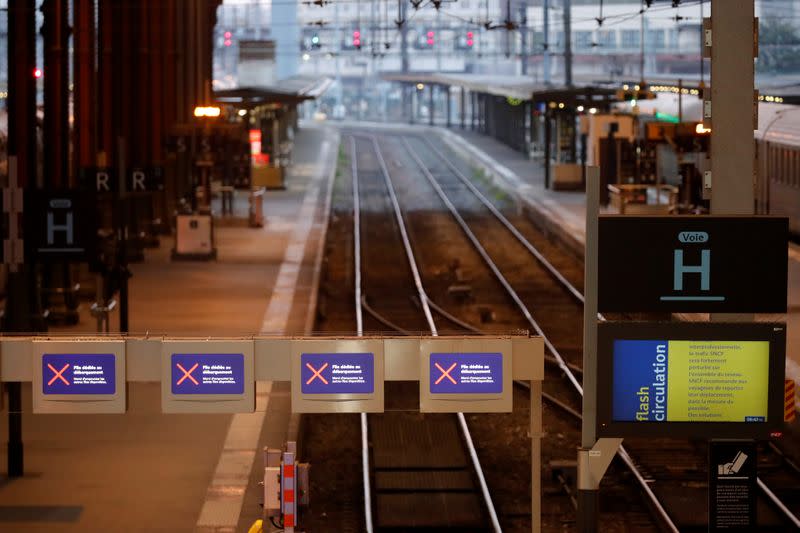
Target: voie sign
<point>692,264</point>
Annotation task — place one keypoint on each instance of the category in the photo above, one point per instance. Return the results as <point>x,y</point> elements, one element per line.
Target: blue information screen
<point>337,373</point>
<point>690,381</point>
<point>466,373</point>
<point>64,373</point>
<point>216,373</point>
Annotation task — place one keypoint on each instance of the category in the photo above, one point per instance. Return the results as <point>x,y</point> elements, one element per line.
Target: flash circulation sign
<point>691,378</point>
<point>703,264</point>
<point>690,381</point>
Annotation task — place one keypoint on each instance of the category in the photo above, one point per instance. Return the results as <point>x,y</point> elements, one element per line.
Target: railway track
<point>510,245</point>
<point>421,471</point>
<point>667,464</point>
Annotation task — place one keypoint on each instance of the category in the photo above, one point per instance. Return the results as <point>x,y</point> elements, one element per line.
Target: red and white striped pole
<point>288,488</point>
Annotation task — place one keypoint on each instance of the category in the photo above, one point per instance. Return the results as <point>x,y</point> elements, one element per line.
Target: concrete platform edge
<point>543,215</point>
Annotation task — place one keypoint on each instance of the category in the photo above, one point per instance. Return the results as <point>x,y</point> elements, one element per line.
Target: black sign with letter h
<point>60,226</point>
<point>705,264</point>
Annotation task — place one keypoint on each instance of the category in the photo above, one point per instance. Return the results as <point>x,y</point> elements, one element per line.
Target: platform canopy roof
<point>523,88</point>
<point>292,90</point>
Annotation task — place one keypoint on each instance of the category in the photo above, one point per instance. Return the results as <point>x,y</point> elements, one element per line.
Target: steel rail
<point>423,297</point>
<point>535,325</point>
<point>574,291</point>
<point>360,332</point>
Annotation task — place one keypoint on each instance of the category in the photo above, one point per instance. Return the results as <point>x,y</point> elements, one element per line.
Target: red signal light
<point>228,35</point>
<point>228,42</point>
<point>37,73</point>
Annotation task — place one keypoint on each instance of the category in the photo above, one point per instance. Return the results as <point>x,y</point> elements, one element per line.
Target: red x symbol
<point>317,373</point>
<point>445,373</point>
<point>57,374</point>
<point>188,374</point>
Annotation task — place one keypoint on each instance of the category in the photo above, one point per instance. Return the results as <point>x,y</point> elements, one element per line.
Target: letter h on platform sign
<point>681,269</point>
<point>67,228</point>
<point>704,269</point>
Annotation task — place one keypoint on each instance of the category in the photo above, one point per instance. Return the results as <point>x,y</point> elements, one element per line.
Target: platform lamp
<point>202,156</point>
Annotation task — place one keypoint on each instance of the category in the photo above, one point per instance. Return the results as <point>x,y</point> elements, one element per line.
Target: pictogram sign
<point>337,373</point>
<point>470,373</point>
<point>216,373</point>
<point>78,374</point>
<point>209,376</point>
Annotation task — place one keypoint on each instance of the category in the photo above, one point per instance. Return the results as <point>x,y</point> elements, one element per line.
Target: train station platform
<point>563,213</point>
<point>147,471</point>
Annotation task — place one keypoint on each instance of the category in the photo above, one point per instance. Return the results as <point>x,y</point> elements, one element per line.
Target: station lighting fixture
<point>420,86</point>
<point>242,112</point>
<point>306,56</point>
<point>579,109</point>
<point>592,110</point>
<point>701,129</point>
<point>207,111</point>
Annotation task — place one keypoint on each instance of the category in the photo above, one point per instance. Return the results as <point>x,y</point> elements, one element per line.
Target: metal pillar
<point>22,299</point>
<point>463,105</point>
<point>56,95</point>
<point>588,498</point>
<point>473,106</point>
<point>568,43</point>
<point>523,34</point>
<point>84,88</point>
<point>447,102</point>
<point>546,51</point>
<point>548,134</point>
<point>732,148</point>
<point>431,106</point>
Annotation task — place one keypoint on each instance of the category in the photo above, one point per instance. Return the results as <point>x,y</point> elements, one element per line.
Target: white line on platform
<point>225,494</point>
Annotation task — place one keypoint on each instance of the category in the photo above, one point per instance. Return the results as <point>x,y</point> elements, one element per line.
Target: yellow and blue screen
<point>690,381</point>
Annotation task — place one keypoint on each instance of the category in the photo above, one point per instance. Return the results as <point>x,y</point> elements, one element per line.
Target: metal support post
<point>536,455</point>
<point>463,105</point>
<point>431,105</point>
<point>473,104</point>
<point>733,79</point>
<point>588,478</point>
<point>548,134</point>
<point>122,239</point>
<point>447,103</point>
<point>568,43</point>
<point>546,51</point>
<point>22,302</point>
